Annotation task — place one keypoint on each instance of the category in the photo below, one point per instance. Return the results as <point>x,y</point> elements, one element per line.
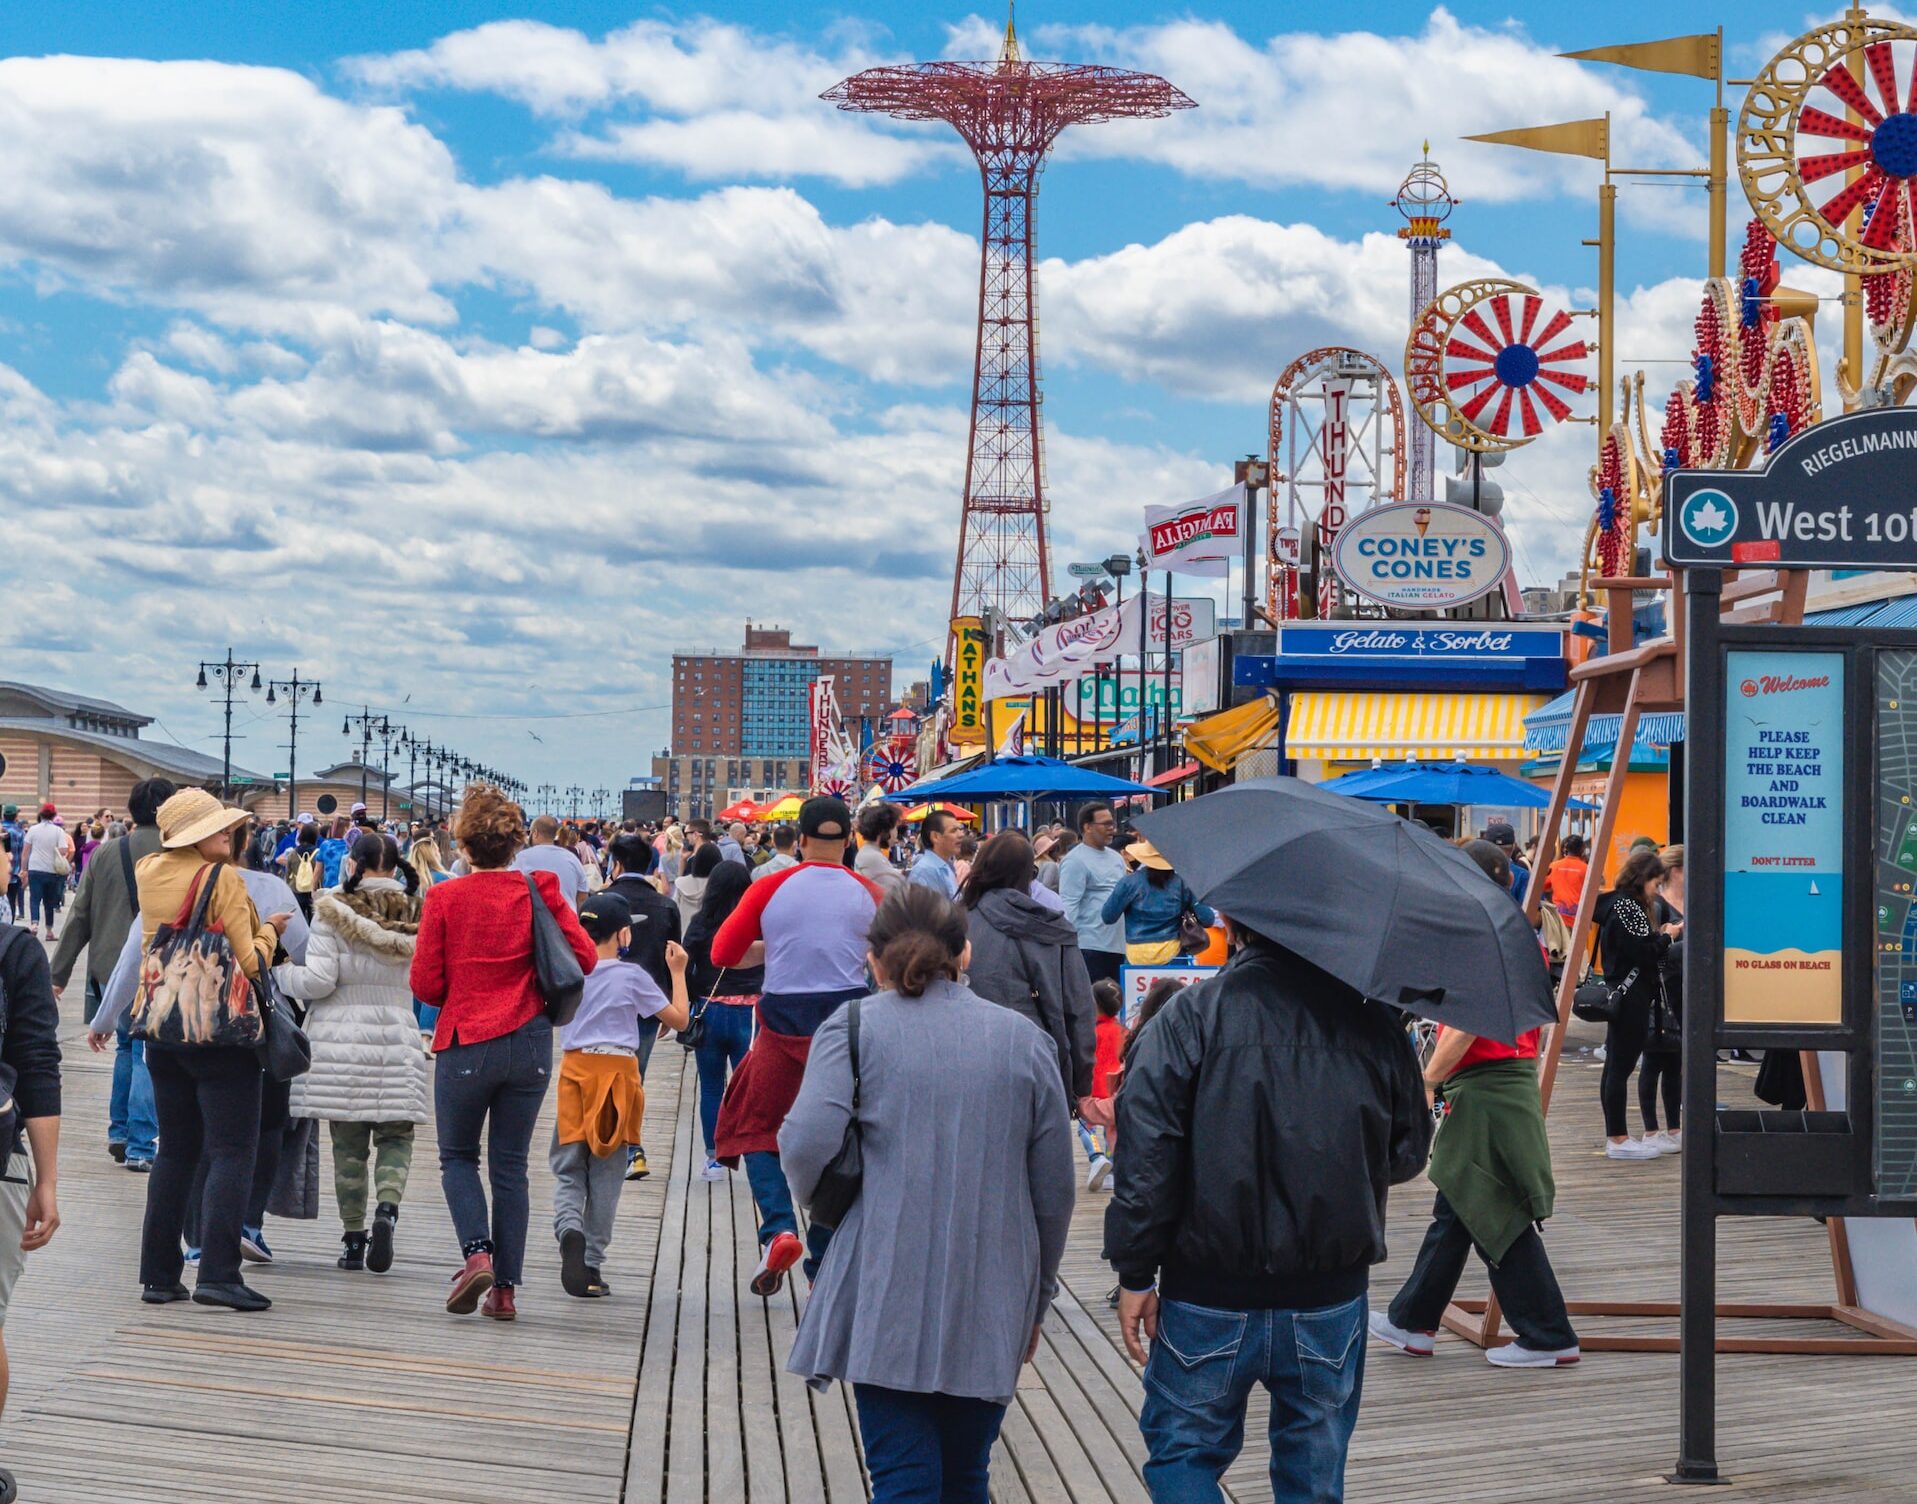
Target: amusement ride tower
<point>1009,113</point>
<point>1424,199</point>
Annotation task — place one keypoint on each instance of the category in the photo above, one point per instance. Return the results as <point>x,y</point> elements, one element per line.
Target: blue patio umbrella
<point>1456,783</point>
<point>1023,777</point>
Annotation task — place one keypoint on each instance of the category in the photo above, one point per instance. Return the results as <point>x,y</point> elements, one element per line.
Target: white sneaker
<point>1517,1355</point>
<point>1417,1344</point>
<point>1666,1142</point>
<point>1631,1148</point>
<point>714,1171</point>
<point>1598,1054</point>
<point>1098,1174</point>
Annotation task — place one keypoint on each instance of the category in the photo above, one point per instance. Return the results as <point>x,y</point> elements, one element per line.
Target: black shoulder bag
<point>839,1185</point>
<point>556,969</point>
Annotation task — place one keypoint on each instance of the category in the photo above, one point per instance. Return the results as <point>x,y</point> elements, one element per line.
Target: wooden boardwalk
<point>360,1388</point>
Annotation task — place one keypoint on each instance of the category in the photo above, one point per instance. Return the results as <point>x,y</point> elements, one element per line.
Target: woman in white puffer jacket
<point>368,1080</point>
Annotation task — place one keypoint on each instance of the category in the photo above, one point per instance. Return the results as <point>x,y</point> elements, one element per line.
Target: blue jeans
<point>46,891</point>
<point>1200,1377</point>
<point>926,1448</point>
<point>1091,1137</point>
<point>774,1200</point>
<point>728,1036</point>
<point>497,1085</point>
<point>130,1119</point>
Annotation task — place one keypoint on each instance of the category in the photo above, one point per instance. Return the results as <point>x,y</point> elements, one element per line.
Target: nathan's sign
<point>1838,495</point>
<point>1422,556</point>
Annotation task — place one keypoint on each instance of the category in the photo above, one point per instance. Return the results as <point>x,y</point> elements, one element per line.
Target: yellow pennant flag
<point>1699,56</point>
<point>1576,138</point>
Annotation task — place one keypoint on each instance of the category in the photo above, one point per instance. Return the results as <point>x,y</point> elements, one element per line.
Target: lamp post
<point>600,796</point>
<point>369,726</point>
<point>228,671</point>
<point>1118,566</point>
<point>574,794</point>
<point>388,735</point>
<point>545,791</point>
<point>296,690</point>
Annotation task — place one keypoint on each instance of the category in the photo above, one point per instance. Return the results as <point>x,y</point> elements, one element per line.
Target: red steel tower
<point>1009,113</point>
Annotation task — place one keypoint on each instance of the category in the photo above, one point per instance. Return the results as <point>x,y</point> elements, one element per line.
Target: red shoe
<point>472,1281</point>
<point>780,1254</point>
<point>498,1304</point>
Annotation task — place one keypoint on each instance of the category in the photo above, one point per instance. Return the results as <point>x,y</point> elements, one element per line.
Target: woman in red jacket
<point>493,1043</point>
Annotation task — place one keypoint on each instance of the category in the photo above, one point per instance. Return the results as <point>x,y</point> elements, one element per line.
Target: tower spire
<point>1008,53</point>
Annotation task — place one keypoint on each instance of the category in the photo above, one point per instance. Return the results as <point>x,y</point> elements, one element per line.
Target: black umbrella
<point>1383,905</point>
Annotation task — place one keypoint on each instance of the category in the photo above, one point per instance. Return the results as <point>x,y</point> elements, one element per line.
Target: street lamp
<point>296,690</point>
<point>370,725</point>
<point>228,671</point>
<point>388,734</point>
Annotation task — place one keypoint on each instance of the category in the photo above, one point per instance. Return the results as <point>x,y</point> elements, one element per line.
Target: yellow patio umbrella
<point>786,809</point>
<point>919,811</point>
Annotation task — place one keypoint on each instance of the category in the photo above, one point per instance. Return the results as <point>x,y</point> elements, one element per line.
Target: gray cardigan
<point>949,1258</point>
<point>102,911</point>
<point>1025,957</point>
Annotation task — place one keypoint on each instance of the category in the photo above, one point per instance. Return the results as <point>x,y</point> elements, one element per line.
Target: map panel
<point>1896,1159</point>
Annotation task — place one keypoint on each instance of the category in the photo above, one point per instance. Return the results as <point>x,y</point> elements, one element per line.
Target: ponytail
<point>374,852</point>
<point>917,937</point>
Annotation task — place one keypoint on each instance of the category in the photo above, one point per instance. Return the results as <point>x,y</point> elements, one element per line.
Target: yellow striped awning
<point>1356,726</point>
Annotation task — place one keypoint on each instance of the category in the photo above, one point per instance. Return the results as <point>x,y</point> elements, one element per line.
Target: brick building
<point>756,702</point>
<point>86,754</point>
<point>698,787</point>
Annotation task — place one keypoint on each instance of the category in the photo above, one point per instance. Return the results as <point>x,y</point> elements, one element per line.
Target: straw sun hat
<point>1146,855</point>
<point>192,815</point>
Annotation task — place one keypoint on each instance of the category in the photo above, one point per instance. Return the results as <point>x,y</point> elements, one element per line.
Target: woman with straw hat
<point>1151,899</point>
<point>205,1096</point>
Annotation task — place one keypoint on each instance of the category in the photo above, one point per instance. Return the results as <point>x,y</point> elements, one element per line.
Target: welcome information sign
<point>1783,837</point>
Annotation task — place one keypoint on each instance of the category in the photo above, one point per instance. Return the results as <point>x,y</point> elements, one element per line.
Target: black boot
<point>355,1255</point>
<point>379,1253</point>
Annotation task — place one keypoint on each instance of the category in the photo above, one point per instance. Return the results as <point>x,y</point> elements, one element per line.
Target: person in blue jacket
<point>1151,899</point>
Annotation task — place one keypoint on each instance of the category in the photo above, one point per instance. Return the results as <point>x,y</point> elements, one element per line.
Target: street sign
<point>1086,571</point>
<point>1837,495</point>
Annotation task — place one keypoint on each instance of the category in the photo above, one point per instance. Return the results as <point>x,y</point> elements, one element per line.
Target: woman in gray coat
<point>1025,956</point>
<point>936,1282</point>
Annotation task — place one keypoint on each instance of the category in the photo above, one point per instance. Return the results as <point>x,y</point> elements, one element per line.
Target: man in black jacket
<point>655,925</point>
<point>1264,1114</point>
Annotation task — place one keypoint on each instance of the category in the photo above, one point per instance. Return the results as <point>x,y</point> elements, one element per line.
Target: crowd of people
<point>938,1008</point>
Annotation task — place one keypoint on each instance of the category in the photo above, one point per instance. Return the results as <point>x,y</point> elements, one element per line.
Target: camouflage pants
<point>389,1147</point>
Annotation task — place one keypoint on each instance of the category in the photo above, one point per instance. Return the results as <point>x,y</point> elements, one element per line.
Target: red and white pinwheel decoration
<point>1488,364</point>
<point>892,767</point>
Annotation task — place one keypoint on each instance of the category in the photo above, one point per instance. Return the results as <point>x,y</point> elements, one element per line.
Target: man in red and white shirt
<point>806,926</point>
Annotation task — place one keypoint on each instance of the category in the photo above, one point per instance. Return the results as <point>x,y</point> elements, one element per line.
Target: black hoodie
<point>1025,957</point>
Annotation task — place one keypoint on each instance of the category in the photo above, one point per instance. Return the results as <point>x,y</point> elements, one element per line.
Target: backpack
<point>302,870</point>
<point>192,989</point>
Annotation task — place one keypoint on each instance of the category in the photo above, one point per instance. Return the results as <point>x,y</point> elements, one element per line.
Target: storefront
<point>1350,694</point>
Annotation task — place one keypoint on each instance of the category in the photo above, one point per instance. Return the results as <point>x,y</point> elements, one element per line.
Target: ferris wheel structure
<point>1336,448</point>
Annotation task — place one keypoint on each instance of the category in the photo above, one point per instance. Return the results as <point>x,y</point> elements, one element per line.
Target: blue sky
<point>486,355</point>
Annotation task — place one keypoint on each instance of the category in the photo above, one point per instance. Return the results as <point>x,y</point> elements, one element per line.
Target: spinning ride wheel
<point>1829,129</point>
<point>1485,363</point>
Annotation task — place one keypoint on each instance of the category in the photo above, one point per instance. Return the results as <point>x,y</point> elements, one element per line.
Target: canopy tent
<point>1024,777</point>
<point>1458,783</point>
<point>1223,740</point>
<point>745,809</point>
<point>918,812</point>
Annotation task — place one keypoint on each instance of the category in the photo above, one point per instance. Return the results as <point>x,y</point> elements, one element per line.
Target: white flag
<point>1201,537</point>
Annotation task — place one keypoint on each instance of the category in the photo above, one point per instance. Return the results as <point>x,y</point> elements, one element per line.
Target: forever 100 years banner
<point>1783,837</point>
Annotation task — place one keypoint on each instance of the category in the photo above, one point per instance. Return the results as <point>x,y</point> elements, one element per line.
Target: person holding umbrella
<point>1247,1269</point>
<point>1491,1165</point>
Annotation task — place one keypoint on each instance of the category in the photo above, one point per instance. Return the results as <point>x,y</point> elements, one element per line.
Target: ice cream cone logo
<point>1422,518</point>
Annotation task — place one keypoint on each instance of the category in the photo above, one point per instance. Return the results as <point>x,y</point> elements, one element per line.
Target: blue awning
<point>1548,728</point>
<point>1901,611</point>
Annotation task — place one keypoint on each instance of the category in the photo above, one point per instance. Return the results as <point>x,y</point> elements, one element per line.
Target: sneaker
<point>1599,1053</point>
<point>163,1295</point>
<point>117,1148</point>
<point>1631,1148</point>
<point>636,1167</point>
<point>596,1285</point>
<point>498,1304</point>
<point>379,1246</point>
<point>1517,1355</point>
<point>235,1297</point>
<point>713,1171</point>
<point>1098,1174</point>
<point>253,1246</point>
<point>353,1252</point>
<point>780,1254</point>
<point>192,1257</point>
<point>572,1262</point>
<point>1417,1344</point>
<point>140,1166</point>
<point>1670,1141</point>
<point>474,1279</point>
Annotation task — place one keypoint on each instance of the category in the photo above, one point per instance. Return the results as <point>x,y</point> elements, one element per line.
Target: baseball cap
<point>306,817</point>
<point>359,809</point>
<point>1500,833</point>
<point>604,915</point>
<point>825,818</point>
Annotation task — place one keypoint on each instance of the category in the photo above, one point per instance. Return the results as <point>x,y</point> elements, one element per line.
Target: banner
<point>968,670</point>
<point>1201,537</point>
<point>1060,654</point>
<point>1012,744</point>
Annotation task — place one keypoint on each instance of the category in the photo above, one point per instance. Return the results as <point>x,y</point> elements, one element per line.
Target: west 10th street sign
<point>1839,495</point>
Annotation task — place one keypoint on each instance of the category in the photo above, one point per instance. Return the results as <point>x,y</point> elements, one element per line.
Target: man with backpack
<point>101,914</point>
<point>304,872</point>
<point>29,1120</point>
